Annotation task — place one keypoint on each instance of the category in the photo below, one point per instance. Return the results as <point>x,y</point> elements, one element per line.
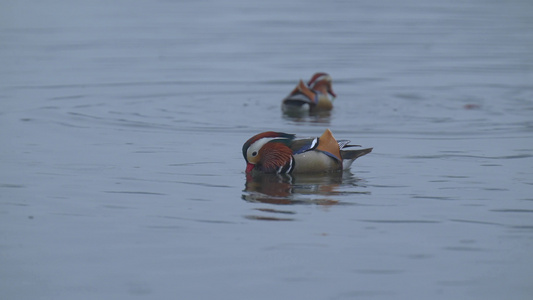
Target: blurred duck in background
<point>311,97</point>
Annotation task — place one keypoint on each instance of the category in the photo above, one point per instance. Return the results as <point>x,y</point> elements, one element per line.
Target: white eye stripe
<point>320,78</point>
<point>257,145</point>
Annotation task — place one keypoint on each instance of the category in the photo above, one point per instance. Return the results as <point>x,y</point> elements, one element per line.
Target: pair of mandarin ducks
<point>281,153</point>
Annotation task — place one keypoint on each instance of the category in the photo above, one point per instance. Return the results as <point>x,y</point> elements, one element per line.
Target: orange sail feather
<point>327,143</point>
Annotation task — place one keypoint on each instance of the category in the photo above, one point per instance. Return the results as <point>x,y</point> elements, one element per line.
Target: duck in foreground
<point>312,96</point>
<point>282,153</point>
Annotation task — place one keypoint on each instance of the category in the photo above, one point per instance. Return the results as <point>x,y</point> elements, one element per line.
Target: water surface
<point>122,123</point>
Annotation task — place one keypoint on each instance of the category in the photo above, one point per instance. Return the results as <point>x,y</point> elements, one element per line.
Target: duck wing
<point>300,96</point>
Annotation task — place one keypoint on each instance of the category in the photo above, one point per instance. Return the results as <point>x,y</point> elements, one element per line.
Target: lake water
<point>122,177</point>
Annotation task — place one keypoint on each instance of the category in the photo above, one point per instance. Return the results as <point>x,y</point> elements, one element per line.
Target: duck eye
<point>254,153</point>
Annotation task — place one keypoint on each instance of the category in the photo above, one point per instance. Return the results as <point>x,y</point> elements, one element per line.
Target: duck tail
<point>348,156</point>
<point>353,154</point>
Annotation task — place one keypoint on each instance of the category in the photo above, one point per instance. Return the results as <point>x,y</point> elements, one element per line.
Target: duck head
<point>321,82</point>
<point>269,152</point>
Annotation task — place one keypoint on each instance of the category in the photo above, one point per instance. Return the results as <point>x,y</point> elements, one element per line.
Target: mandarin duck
<point>282,153</point>
<point>312,96</point>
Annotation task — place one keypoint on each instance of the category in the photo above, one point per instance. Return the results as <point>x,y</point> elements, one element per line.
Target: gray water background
<point>122,122</point>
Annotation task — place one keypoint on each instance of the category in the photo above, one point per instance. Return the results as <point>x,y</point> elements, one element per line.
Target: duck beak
<point>249,167</point>
<point>330,91</point>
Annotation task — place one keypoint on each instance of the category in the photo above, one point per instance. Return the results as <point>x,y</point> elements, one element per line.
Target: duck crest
<point>318,77</point>
<point>273,135</point>
<point>328,145</point>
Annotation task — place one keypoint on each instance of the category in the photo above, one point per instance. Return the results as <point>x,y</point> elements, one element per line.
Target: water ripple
<point>135,192</point>
<point>513,210</point>
<point>402,221</point>
<point>267,218</point>
<point>440,156</point>
<point>475,222</point>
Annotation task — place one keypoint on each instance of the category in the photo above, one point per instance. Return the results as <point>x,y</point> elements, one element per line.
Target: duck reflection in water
<point>313,117</point>
<point>296,189</point>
